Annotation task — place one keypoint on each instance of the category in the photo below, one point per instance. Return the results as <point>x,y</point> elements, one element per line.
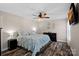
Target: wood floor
<point>51,49</point>
<point>57,49</point>
<point>16,52</point>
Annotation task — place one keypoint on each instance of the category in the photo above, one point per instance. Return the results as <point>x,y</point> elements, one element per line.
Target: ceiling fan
<point>42,15</point>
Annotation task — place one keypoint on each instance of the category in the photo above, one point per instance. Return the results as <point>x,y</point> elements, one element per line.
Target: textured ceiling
<point>26,10</point>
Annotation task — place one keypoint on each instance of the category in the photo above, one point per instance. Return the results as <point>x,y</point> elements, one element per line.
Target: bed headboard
<point>52,36</point>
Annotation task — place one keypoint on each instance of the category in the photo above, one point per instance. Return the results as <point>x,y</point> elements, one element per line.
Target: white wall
<point>12,23</point>
<point>61,30</point>
<point>16,23</point>
<point>74,43</point>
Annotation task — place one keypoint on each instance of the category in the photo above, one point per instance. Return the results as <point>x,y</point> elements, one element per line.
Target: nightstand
<point>12,44</point>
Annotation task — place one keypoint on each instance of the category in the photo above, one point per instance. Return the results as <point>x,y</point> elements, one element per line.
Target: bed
<point>33,42</point>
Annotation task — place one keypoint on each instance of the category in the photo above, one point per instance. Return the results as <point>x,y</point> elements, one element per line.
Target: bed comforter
<point>33,42</point>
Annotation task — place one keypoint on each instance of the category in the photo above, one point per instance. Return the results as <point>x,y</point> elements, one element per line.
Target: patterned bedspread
<point>33,42</point>
<point>55,49</point>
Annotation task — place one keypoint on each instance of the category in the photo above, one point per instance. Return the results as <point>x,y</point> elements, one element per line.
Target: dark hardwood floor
<point>57,49</point>
<point>16,52</point>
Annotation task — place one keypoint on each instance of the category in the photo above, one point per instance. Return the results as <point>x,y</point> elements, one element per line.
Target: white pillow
<point>23,33</point>
<point>15,34</point>
<point>32,33</point>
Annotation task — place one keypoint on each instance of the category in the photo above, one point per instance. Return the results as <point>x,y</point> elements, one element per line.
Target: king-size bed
<point>33,42</point>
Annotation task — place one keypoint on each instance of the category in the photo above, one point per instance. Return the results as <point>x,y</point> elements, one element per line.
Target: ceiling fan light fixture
<point>45,14</point>
<point>42,15</point>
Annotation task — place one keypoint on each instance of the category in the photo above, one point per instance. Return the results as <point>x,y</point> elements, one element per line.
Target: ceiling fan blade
<point>35,17</point>
<point>47,17</point>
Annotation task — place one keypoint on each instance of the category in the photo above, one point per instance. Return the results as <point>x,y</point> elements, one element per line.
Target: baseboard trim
<point>4,49</point>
